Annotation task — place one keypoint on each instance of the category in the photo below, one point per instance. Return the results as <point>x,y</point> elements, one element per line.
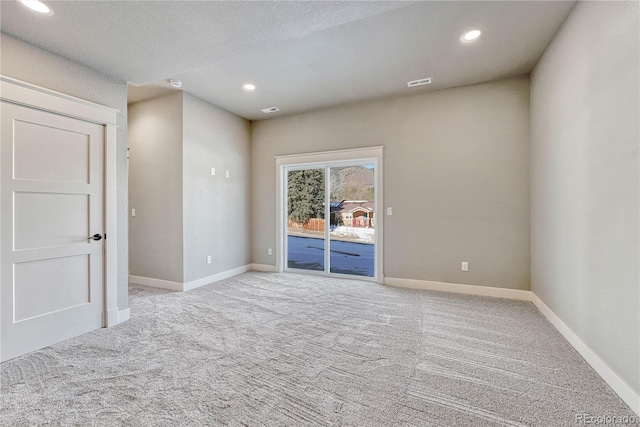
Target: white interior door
<point>52,203</point>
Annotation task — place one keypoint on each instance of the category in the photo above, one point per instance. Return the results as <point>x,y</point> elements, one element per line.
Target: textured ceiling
<point>300,55</point>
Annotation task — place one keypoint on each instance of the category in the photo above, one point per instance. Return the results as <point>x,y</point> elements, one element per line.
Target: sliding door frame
<point>326,160</point>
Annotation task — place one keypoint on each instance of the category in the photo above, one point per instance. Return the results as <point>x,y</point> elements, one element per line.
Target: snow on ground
<point>362,235</point>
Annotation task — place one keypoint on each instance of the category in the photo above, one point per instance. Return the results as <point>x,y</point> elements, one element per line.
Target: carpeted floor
<point>265,349</point>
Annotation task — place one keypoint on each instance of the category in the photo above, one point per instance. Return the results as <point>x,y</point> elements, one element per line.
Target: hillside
<point>352,183</point>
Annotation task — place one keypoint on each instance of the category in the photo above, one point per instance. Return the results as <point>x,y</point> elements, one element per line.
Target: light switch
<point>133,212</point>
<point>213,171</point>
<point>389,211</point>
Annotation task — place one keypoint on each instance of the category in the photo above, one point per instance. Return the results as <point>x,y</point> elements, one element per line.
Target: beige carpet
<point>265,349</point>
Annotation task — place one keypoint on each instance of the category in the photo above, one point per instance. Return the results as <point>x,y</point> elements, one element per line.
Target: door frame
<point>35,97</point>
<point>372,155</point>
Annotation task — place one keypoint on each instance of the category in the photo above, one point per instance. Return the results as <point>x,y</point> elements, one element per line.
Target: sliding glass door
<point>330,224</point>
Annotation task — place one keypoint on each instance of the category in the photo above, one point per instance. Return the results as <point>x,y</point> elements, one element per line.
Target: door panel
<point>66,279</point>
<point>305,219</point>
<point>352,237</point>
<point>52,201</point>
<point>46,219</point>
<point>33,153</point>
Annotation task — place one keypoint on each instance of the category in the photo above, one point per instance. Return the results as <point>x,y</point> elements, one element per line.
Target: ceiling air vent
<point>270,110</point>
<point>420,82</point>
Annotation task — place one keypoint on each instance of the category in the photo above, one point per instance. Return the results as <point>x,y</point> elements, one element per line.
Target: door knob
<point>96,237</point>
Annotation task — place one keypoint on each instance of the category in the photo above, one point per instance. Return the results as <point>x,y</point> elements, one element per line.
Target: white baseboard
<point>124,315</point>
<point>112,317</point>
<point>264,268</point>
<point>155,283</point>
<point>458,288</point>
<point>214,278</point>
<point>183,287</point>
<point>115,316</point>
<point>626,393</point>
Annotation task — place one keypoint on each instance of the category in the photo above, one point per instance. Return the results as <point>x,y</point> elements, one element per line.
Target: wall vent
<point>420,82</point>
<point>270,110</point>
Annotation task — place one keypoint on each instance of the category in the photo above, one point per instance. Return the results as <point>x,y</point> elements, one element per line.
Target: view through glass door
<point>305,219</point>
<point>330,224</point>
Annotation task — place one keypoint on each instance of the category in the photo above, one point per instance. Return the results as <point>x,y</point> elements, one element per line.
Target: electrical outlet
<point>208,259</point>
<point>269,251</point>
<point>133,212</point>
<point>389,211</point>
<point>226,174</point>
<point>464,266</point>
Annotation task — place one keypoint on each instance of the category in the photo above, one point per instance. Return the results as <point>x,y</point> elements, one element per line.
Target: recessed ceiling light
<point>270,110</point>
<point>420,82</point>
<point>471,35</point>
<point>175,83</point>
<point>37,6</point>
<point>249,87</point>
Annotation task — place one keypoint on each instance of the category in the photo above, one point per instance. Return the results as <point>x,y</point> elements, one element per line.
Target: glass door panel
<point>305,219</point>
<point>352,220</point>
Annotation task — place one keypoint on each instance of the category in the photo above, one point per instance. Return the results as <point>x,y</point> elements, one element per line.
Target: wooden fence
<point>314,224</point>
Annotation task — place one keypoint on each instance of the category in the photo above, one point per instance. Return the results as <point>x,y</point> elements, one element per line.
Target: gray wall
<point>155,188</point>
<point>183,213</point>
<point>33,65</point>
<point>217,210</point>
<point>585,180</point>
<point>456,173</point>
